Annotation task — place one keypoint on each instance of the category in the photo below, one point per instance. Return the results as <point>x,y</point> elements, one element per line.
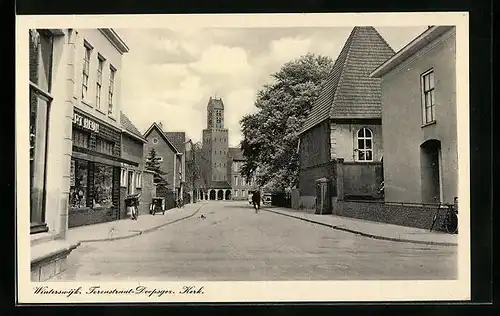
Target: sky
<point>169,75</point>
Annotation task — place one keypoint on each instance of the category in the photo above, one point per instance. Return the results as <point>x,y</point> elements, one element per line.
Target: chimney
<point>160,123</point>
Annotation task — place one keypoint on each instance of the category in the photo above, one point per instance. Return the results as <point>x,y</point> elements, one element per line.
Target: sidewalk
<point>371,229</point>
<point>127,228</point>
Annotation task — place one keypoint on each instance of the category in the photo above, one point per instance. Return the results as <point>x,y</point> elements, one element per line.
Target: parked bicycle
<point>450,222</point>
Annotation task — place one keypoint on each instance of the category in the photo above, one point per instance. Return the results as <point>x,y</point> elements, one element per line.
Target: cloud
<point>169,74</point>
<point>218,59</point>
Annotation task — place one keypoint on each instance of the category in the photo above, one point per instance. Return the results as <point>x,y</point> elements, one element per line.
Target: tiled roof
<point>236,153</point>
<point>216,103</point>
<point>177,139</point>
<point>349,92</point>
<point>128,125</point>
<point>220,185</point>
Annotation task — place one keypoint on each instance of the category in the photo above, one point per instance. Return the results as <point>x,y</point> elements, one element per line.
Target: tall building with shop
<point>50,120</point>
<point>95,172</point>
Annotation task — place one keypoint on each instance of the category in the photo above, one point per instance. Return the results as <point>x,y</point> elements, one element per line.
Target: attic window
<point>155,140</point>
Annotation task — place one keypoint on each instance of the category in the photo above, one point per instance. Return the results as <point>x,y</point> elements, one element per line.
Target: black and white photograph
<point>220,158</point>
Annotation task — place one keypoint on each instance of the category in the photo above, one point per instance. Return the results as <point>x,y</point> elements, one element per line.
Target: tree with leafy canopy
<point>270,136</point>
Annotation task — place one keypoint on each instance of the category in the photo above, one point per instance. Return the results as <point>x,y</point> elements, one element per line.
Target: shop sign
<point>85,123</point>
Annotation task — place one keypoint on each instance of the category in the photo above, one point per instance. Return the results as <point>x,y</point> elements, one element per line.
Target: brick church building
<point>220,162</point>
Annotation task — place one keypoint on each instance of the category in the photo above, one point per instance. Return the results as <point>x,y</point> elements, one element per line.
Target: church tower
<point>215,140</point>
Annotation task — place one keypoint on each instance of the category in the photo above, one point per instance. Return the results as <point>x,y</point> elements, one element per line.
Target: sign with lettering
<point>85,123</point>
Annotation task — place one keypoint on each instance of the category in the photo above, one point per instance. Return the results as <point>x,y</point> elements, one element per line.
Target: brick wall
<point>132,149</point>
<point>419,216</point>
<point>361,179</point>
<point>89,216</point>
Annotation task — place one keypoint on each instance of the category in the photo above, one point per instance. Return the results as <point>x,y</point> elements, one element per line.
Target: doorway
<point>430,166</point>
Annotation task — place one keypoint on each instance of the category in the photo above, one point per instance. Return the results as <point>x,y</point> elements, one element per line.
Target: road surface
<point>234,243</point>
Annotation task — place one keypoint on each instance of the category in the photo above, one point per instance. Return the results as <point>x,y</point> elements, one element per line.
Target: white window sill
<point>428,124</point>
<point>87,103</point>
<point>101,111</point>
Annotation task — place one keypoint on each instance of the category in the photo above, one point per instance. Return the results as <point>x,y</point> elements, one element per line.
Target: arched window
<point>365,145</point>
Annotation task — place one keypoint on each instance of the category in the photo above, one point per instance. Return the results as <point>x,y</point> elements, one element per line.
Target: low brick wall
<point>90,216</point>
<point>419,216</point>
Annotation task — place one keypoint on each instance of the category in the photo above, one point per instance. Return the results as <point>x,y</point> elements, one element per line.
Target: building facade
<point>50,113</point>
<point>345,123</point>
<point>221,163</point>
<point>96,132</point>
<point>170,158</point>
<point>420,119</point>
<point>241,186</point>
<point>131,177</point>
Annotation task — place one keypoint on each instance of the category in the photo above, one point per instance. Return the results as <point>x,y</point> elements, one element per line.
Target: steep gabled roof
<point>162,134</point>
<point>236,153</point>
<point>129,127</point>
<point>177,139</point>
<point>349,92</point>
<point>215,103</point>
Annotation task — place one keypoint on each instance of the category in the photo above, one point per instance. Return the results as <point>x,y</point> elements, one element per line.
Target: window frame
<point>364,138</point>
<point>432,97</point>
<point>100,67</point>
<point>39,225</point>
<point>86,69</point>
<point>111,89</point>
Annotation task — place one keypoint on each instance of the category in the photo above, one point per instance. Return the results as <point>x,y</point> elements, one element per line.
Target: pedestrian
<point>256,200</point>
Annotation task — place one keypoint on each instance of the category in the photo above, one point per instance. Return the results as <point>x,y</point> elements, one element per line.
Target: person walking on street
<point>256,200</point>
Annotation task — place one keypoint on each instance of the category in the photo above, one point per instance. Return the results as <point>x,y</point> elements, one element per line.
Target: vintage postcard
<point>242,158</point>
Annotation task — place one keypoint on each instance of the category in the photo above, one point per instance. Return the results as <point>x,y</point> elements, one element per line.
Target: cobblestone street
<point>234,243</point>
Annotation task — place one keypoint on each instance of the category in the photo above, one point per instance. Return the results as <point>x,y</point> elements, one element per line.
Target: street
<point>233,243</point>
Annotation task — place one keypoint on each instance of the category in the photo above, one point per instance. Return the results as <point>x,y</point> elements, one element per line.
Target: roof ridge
<point>348,44</point>
<point>162,133</point>
<point>383,40</point>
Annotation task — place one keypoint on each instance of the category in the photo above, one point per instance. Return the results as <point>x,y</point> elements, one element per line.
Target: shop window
<point>40,64</point>
<point>104,146</point>
<point>103,186</point>
<point>79,183</point>
<point>80,138</point>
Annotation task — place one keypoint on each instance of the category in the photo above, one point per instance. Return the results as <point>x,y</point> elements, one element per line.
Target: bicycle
<point>450,222</point>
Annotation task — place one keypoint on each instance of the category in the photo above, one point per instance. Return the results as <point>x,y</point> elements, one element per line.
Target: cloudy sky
<point>170,75</point>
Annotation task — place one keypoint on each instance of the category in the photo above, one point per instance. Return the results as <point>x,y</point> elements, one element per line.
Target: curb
<point>435,243</point>
<point>140,232</point>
